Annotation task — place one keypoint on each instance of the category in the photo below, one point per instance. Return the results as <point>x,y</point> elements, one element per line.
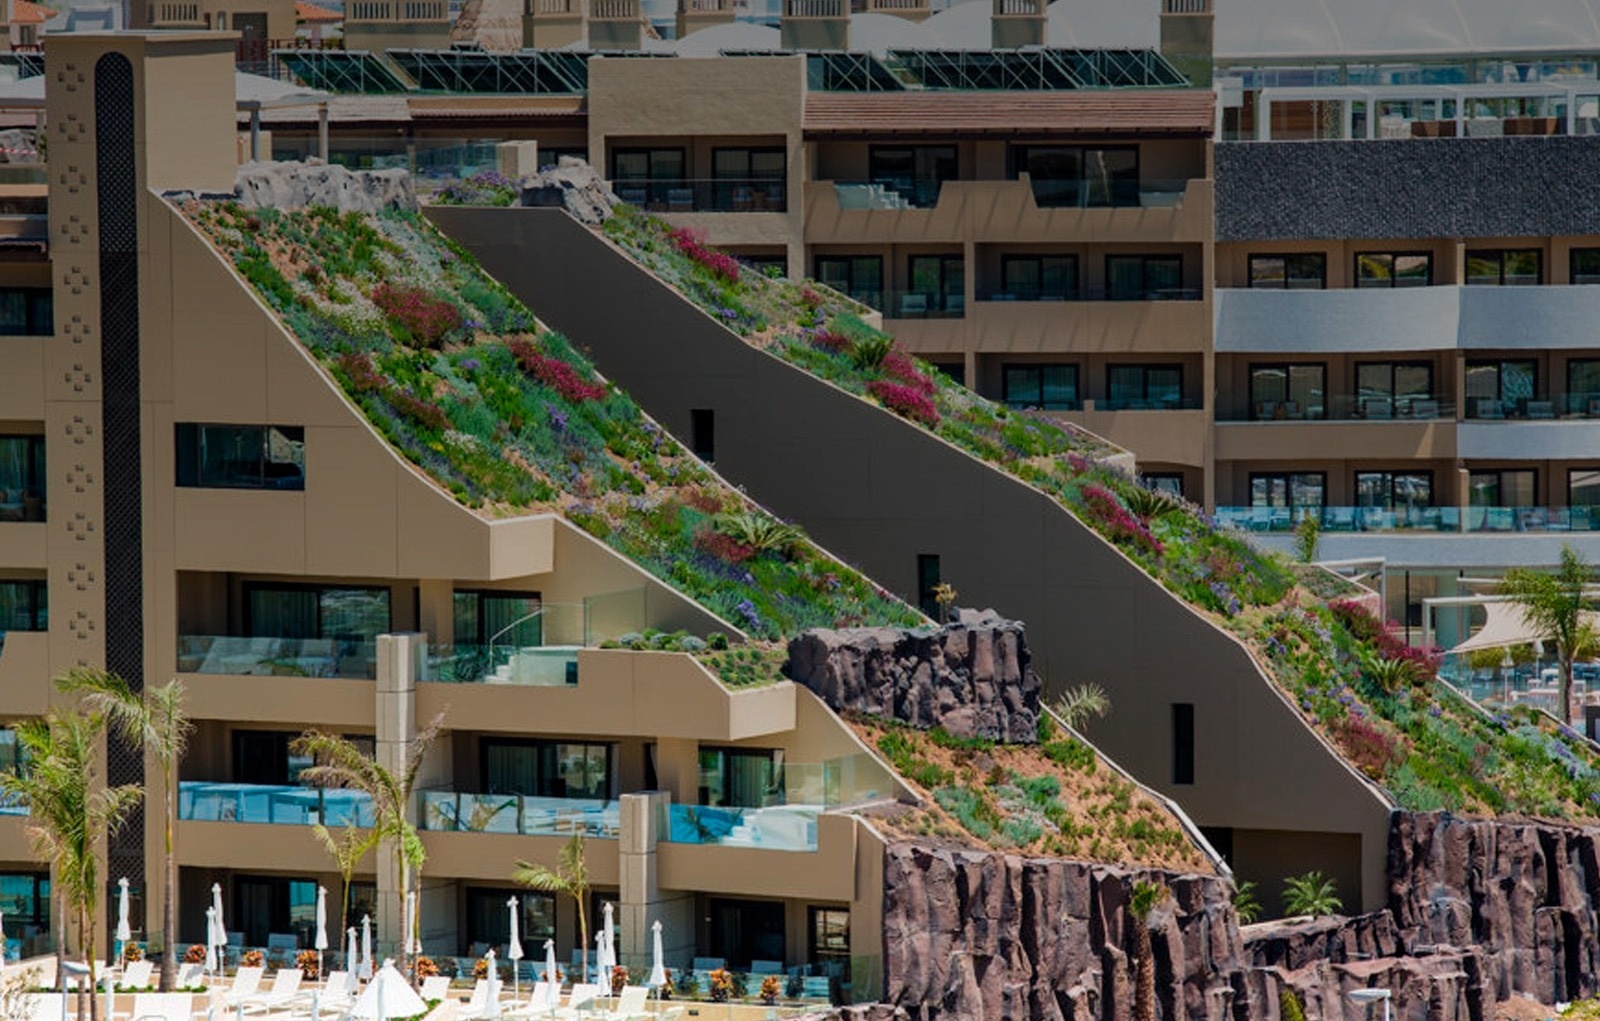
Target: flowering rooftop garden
<point>512,420</point>
<point>1351,677</point>
<point>1052,798</point>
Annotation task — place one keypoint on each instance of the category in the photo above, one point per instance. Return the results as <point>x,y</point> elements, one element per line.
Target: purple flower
<point>558,419</point>
<point>471,364</point>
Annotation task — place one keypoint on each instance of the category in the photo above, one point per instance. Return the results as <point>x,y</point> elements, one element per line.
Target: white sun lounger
<point>245,984</point>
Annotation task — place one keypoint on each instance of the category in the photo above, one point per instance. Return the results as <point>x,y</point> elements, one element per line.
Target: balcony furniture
<point>632,195</point>
<point>913,305</point>
<point>1377,408</point>
<point>1424,409</point>
<point>281,948</point>
<point>1488,408</point>
<point>1291,410</point>
<point>1594,407</point>
<point>680,200</point>
<point>1394,127</point>
<point>1541,409</point>
<point>766,967</point>
<point>817,987</point>
<point>742,199</point>
<point>11,506</point>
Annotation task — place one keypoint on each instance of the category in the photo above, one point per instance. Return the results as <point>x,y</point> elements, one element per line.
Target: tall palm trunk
<point>1144,974</point>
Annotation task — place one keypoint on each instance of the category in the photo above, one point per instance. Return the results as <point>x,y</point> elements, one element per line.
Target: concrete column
<point>322,132</point>
<point>436,609</point>
<point>399,665</point>
<point>642,902</point>
<point>678,768</point>
<point>1463,495</point>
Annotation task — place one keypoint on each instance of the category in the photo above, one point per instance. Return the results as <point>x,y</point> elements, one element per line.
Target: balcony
<point>999,211</point>
<point>236,656</point>
<point>1537,436</point>
<point>1341,408</point>
<point>204,801</point>
<point>520,814</point>
<point>1343,519</point>
<point>918,304</point>
<point>776,828</point>
<point>542,666</point>
<point>723,195</point>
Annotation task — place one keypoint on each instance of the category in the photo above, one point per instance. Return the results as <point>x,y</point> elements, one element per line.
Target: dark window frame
<point>1499,257</point>
<point>928,567</point>
<point>925,189</point>
<point>1321,258</point>
<point>540,745</point>
<point>650,152</point>
<point>944,298</point>
<point>481,638</point>
<point>1499,367</point>
<point>36,596</point>
<point>1145,369</point>
<point>1393,279</point>
<point>874,298</point>
<point>1573,275</point>
<point>1070,292</point>
<point>1394,475</point>
<point>1288,369</point>
<point>37,312</point>
<point>35,451</point>
<point>1592,470</point>
<point>1291,483</point>
<point>1038,369</point>
<point>814,944</point>
<point>1148,291</point>
<point>1163,482</point>
<point>1473,474</point>
<point>250,587</point>
<point>497,896</point>
<point>1123,188</point>
<point>1392,394</point>
<point>188,440</point>
<point>777,757</point>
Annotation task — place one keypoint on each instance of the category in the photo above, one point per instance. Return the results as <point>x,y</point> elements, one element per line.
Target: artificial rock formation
<point>971,677</point>
<point>573,185</point>
<point>292,185</point>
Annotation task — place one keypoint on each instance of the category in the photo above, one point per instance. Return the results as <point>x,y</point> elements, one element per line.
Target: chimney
<point>1018,23</point>
<point>552,24</point>
<point>910,10</point>
<point>615,24</point>
<point>694,15</point>
<point>1187,28</point>
<point>815,25</point>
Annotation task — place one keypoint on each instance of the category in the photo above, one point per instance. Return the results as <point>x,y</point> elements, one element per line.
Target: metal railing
<point>1340,408</point>
<point>922,305</point>
<point>520,814</point>
<point>1343,519</point>
<point>1546,407</point>
<point>1101,193</point>
<point>721,195</point>
<point>284,805</point>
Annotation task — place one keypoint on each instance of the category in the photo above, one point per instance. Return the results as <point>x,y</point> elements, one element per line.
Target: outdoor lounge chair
<point>474,1005</point>
<point>190,974</point>
<point>161,1006</point>
<point>633,1002</point>
<point>285,990</point>
<point>336,996</point>
<point>581,1002</point>
<point>136,975</point>
<point>435,987</point>
<point>245,983</point>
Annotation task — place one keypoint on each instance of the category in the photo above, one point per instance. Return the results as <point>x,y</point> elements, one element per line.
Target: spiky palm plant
<point>156,722</point>
<point>758,531</point>
<point>571,877</point>
<point>1146,898</point>
<point>1077,706</point>
<point>1245,903</point>
<point>341,763</point>
<point>346,850</point>
<point>1149,504</point>
<point>1554,604</point>
<point>1311,894</point>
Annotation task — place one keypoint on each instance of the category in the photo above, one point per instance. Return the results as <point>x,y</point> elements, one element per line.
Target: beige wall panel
<point>14,839</point>
<point>1172,437</point>
<point>209,523</point>
<point>219,340</point>
<point>351,525</point>
<point>521,547</point>
<point>697,96</point>
<point>155,301</point>
<point>490,857</point>
<point>22,369</point>
<point>297,391</point>
<point>1308,441</point>
<point>25,673</point>
<point>828,873</point>
<point>248,847</point>
<point>281,700</point>
<point>22,544</point>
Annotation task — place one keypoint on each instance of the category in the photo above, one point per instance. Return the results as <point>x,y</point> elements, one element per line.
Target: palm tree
<point>1077,706</point>
<point>1311,894</point>
<point>1146,898</point>
<point>571,877</point>
<point>347,850</point>
<point>340,763</point>
<point>1553,605</point>
<point>155,721</point>
<point>68,812</point>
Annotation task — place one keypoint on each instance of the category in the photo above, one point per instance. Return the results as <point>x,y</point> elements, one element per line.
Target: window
<point>311,611</point>
<point>263,905</point>
<point>1583,487</point>
<point>639,164</point>
<point>916,172</point>
<point>1394,269</point>
<point>860,276</point>
<point>741,931</point>
<point>1070,175</point>
<point>263,757</point>
<point>488,617</point>
<point>1183,742</point>
<point>938,286</point>
<point>547,769</point>
<point>1144,387</point>
<point>749,180</point>
<point>703,433</point>
<point>1287,391</point>
<point>1586,265</point>
<point>27,311</point>
<point>1496,389</point>
<point>1162,482</point>
<point>928,579</point>
<point>489,922</point>
<point>1504,266</point>
<point>241,456</point>
<point>1303,271</point>
<point>1583,386</point>
<point>1395,491</point>
<point>741,777</point>
<point>21,478</point>
<point>1387,389</point>
<point>25,899</point>
<point>24,606</point>
<point>1038,277</point>
<point>1292,490</point>
<point>1511,487</point>
<point>1145,278</point>
<point>1051,387</point>
<point>829,935</point>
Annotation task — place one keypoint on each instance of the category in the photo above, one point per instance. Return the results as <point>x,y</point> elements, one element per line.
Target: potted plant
<point>721,983</point>
<point>196,954</point>
<point>771,986</point>
<point>251,959</point>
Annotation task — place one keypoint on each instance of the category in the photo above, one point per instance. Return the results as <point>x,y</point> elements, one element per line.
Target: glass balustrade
<point>277,657</point>
<point>205,801</point>
<point>519,814</point>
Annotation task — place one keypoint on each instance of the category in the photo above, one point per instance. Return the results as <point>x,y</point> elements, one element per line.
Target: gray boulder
<point>314,183</point>
<point>573,185</point>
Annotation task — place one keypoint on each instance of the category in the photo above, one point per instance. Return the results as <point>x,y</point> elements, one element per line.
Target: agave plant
<point>1149,504</point>
<point>1390,676</point>
<point>758,531</point>
<point>870,351</point>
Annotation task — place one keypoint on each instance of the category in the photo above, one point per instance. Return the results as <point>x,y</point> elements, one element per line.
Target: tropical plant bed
<point>1435,751</point>
<point>511,420</point>
<point>1055,798</point>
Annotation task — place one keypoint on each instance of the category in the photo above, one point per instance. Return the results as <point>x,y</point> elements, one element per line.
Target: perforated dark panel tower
<point>117,197</point>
